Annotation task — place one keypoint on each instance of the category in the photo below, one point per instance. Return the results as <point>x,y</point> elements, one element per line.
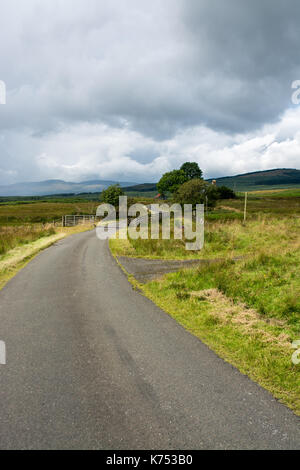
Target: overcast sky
<point>129,89</point>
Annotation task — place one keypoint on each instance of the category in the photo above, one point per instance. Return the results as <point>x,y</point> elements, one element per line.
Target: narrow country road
<point>92,364</point>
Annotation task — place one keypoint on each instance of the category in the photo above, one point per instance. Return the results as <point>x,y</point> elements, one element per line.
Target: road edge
<point>221,353</point>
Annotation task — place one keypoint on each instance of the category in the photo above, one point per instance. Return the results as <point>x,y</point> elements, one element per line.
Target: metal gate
<point>73,220</point>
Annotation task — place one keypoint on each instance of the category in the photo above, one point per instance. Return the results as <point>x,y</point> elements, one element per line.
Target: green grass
<point>10,237</point>
<point>253,326</point>
<point>269,220</point>
<point>20,244</point>
<point>141,195</point>
<point>277,193</point>
<point>35,212</point>
<point>268,282</point>
<point>223,239</point>
<point>60,198</point>
<point>247,311</point>
<point>264,203</point>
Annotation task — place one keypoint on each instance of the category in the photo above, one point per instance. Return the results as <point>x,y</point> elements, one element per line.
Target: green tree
<point>211,195</point>
<point>196,191</point>
<point>191,170</point>
<point>225,193</point>
<point>111,195</point>
<point>171,181</point>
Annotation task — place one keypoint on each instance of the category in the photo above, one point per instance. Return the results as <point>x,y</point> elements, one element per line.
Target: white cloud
<point>88,151</point>
<point>128,90</point>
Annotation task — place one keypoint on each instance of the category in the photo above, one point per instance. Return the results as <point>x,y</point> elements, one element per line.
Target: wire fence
<point>73,220</point>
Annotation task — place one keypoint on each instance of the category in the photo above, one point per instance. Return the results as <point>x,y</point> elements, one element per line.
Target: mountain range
<point>276,178</point>
<point>268,179</point>
<point>49,187</point>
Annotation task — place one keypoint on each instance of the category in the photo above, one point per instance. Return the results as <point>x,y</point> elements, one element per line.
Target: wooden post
<point>63,221</point>
<point>245,207</point>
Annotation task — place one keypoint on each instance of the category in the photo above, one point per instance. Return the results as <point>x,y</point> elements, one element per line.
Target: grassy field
<point>19,212</point>
<point>258,344</point>
<point>278,204</point>
<point>224,238</point>
<point>248,310</point>
<point>35,212</point>
<point>268,216</point>
<point>12,236</point>
<point>20,244</point>
<point>277,193</point>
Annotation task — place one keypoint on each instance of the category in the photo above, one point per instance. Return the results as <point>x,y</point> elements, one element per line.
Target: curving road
<point>91,363</point>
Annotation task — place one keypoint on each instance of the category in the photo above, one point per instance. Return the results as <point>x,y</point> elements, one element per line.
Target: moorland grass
<point>12,236</point>
<point>43,212</point>
<point>223,239</point>
<point>257,344</point>
<point>21,244</point>
<point>247,310</point>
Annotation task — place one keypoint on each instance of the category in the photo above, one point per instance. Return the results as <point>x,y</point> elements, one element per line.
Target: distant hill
<point>268,179</point>
<point>50,187</point>
<point>145,189</point>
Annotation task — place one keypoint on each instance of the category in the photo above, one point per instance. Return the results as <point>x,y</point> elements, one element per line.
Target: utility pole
<point>245,207</point>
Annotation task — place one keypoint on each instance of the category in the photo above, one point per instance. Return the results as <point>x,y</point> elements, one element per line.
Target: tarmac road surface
<point>92,364</point>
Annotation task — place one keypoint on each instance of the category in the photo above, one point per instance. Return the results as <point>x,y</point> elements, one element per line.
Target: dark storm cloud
<point>245,56</point>
<point>152,69</point>
<point>225,65</point>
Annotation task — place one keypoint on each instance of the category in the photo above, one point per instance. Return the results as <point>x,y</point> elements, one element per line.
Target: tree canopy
<point>225,193</point>
<point>171,181</point>
<point>196,191</point>
<point>111,195</point>
<point>191,170</point>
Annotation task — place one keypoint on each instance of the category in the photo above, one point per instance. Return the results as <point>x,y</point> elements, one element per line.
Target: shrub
<point>225,193</point>
<point>111,195</point>
<point>196,191</point>
<point>171,181</point>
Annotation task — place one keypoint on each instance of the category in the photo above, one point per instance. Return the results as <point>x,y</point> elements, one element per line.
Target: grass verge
<point>247,311</point>
<point>222,240</point>
<point>15,259</point>
<point>255,340</point>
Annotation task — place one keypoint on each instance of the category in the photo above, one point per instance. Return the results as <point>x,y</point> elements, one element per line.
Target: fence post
<point>245,207</point>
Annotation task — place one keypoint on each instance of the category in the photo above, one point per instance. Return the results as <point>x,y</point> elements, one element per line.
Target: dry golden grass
<point>250,321</point>
<point>16,258</point>
<point>222,240</point>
